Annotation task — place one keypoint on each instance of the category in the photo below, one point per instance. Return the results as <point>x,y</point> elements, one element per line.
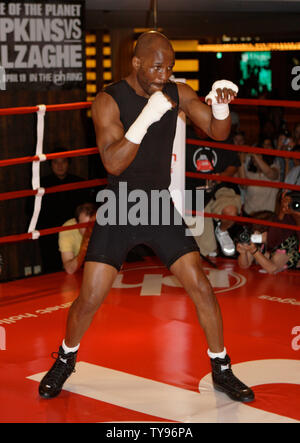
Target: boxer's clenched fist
<point>158,104</point>
<point>222,93</point>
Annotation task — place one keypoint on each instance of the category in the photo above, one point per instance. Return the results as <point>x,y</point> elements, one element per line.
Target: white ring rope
<point>36,170</point>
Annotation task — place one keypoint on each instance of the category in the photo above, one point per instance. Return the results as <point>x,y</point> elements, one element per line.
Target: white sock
<point>218,355</point>
<point>67,349</point>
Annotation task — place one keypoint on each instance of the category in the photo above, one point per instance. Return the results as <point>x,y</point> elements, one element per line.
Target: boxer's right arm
<point>118,149</point>
<point>115,150</point>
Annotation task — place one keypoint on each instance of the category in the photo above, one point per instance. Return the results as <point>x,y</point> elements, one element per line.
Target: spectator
<point>281,143</point>
<point>56,209</point>
<point>220,197</point>
<point>296,134</point>
<point>259,167</point>
<point>235,126</point>
<point>286,208</point>
<point>293,176</point>
<point>239,139</point>
<point>286,143</point>
<point>268,131</point>
<point>73,244</point>
<point>278,249</point>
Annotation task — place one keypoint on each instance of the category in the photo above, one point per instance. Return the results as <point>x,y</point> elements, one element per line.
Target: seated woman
<point>278,248</point>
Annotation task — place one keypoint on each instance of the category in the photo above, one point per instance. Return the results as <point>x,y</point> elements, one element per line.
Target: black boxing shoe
<point>225,381</point>
<point>52,383</point>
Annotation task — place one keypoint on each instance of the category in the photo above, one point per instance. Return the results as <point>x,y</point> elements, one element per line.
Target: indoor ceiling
<point>271,19</point>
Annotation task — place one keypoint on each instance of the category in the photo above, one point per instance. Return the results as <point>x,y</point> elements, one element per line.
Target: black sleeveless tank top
<point>151,167</point>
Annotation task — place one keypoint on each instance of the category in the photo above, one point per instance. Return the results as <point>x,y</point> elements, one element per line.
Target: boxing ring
<point>144,357</point>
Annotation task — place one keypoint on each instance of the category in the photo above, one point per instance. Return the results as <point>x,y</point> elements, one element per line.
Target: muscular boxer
<point>135,123</point>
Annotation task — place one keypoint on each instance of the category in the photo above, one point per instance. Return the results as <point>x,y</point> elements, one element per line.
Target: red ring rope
<point>260,102</point>
<point>251,220</point>
<point>77,153</point>
<point>54,189</point>
<point>242,181</point>
<point>47,231</point>
<point>32,109</point>
<point>82,105</point>
<point>243,148</point>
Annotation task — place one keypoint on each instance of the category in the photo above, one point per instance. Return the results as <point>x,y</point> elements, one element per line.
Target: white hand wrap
<point>156,107</point>
<point>220,110</point>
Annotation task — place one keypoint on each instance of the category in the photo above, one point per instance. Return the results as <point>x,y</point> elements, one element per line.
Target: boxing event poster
<point>42,44</point>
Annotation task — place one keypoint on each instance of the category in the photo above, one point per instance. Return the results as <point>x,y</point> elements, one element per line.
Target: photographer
<point>293,176</point>
<point>259,167</point>
<point>274,249</point>
<point>290,206</point>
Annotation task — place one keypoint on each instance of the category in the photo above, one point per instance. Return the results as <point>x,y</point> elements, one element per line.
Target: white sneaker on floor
<point>226,243</point>
<point>213,254</point>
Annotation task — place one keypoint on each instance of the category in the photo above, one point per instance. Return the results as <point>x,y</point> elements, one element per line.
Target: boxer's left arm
<point>202,114</point>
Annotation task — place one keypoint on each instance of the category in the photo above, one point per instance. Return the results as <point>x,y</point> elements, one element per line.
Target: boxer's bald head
<point>153,61</point>
<point>150,42</point>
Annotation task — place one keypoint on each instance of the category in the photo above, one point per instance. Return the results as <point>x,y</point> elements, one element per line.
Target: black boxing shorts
<point>164,234</point>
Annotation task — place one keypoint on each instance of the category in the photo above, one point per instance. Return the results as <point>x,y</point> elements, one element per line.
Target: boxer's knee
<point>201,292</point>
<point>97,282</point>
<point>88,301</point>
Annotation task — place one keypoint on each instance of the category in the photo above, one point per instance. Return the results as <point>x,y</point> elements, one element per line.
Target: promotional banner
<point>42,44</point>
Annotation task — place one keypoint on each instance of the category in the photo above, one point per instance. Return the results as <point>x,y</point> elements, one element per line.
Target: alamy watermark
<point>296,80</point>
<point>152,208</point>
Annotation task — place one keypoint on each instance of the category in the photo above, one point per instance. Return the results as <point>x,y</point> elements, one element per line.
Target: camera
<point>295,204</point>
<point>245,236</point>
<point>295,200</point>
